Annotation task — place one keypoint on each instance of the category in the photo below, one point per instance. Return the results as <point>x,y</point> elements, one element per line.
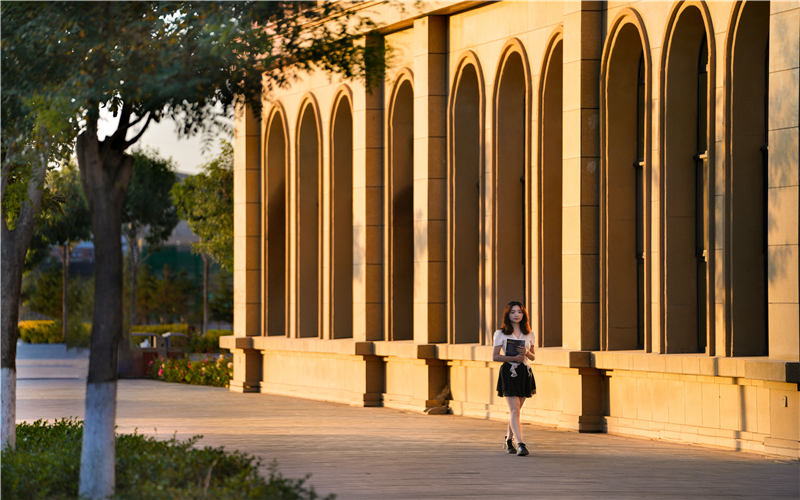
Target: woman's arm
<point>496,356</point>
<point>530,354</point>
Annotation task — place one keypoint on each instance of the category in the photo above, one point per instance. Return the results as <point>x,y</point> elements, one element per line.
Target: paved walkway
<point>382,453</point>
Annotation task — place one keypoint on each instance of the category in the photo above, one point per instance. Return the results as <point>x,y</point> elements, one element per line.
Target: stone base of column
<point>414,384</point>
<point>246,370</point>
<point>341,371</point>
<point>246,363</point>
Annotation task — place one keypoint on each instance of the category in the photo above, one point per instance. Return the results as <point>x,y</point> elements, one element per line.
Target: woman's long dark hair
<point>508,326</point>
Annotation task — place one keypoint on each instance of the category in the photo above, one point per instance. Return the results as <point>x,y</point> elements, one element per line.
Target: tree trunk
<point>205,293</point>
<point>64,294</point>
<point>105,173</point>
<point>13,247</point>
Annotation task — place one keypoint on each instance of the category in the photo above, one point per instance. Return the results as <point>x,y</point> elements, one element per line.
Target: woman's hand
<point>531,354</point>
<point>521,353</point>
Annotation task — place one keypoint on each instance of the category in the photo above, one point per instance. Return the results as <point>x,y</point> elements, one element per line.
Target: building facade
<point>629,170</point>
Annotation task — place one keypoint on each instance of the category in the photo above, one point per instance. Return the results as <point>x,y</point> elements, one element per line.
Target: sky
<point>188,154</point>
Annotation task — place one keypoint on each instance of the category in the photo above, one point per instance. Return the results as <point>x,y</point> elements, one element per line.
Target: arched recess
<point>341,243</point>
<point>747,70</point>
<point>276,235</point>
<point>687,233</point>
<point>308,226</point>
<point>464,203</point>
<point>511,144</point>
<point>624,185</point>
<point>549,192</point>
<point>400,210</point>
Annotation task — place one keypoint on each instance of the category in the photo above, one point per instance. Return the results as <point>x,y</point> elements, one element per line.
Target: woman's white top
<point>500,340</point>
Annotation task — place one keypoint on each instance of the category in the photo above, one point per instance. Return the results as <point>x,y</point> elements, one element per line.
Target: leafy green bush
<point>159,329</point>
<point>46,465</point>
<point>217,372</point>
<point>78,333</point>
<point>40,332</point>
<point>208,342</point>
<point>49,332</point>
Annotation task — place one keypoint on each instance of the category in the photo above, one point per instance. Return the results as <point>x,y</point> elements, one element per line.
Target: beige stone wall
<point>738,390</point>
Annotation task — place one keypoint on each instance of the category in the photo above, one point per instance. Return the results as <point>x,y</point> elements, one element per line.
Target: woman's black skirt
<point>521,386</point>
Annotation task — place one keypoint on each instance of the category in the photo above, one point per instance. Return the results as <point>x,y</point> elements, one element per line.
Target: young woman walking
<point>515,382</point>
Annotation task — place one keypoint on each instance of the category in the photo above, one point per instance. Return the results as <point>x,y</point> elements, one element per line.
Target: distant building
<point>182,236</point>
<point>627,169</point>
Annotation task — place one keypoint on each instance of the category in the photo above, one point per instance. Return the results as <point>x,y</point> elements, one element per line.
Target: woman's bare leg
<point>513,417</point>
<point>519,436</point>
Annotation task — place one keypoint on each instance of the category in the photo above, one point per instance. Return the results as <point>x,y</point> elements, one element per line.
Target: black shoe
<point>521,450</point>
<point>509,446</point>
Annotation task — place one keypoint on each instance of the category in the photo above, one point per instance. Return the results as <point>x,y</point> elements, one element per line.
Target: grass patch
<point>46,465</point>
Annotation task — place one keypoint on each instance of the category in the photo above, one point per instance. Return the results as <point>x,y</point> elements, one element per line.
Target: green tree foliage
<point>221,301</point>
<point>42,292</point>
<point>65,217</point>
<point>205,202</point>
<point>64,221</point>
<point>164,298</point>
<point>144,61</point>
<point>148,210</point>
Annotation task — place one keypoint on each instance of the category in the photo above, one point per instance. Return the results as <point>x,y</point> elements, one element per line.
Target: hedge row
<point>46,465</point>
<point>49,332</point>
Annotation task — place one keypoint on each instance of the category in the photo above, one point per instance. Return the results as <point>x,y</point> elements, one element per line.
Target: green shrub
<point>46,465</point>
<point>40,332</point>
<point>49,332</point>
<point>208,342</point>
<point>216,372</point>
<point>159,329</point>
<point>78,333</point>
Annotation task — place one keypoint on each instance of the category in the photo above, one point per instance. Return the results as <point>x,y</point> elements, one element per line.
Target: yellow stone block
<point>783,112</point>
<point>785,414</point>
<point>784,342</point>
<point>710,402</point>
<point>694,404</point>
<point>783,281</point>
<point>783,154</point>
<point>783,210</point>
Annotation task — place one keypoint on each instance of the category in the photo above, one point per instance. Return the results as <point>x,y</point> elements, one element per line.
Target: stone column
<point>581,154</point>
<point>246,250</point>
<point>429,374</point>
<point>430,179</point>
<point>782,193</point>
<point>367,212</point>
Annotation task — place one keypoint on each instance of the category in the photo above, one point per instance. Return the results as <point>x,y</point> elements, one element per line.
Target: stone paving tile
<point>367,453</point>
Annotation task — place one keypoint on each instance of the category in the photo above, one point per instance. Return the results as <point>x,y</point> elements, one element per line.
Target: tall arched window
<point>639,166</point>
<point>701,193</point>
<point>550,196</point>
<point>623,189</point>
<point>276,227</point>
<point>308,158</point>
<point>510,214</point>
<point>747,191</point>
<point>401,213</point>
<point>686,109</point>
<point>342,215</point>
<point>464,244</point>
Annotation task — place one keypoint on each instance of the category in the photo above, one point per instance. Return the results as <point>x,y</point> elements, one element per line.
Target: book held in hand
<point>512,346</point>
